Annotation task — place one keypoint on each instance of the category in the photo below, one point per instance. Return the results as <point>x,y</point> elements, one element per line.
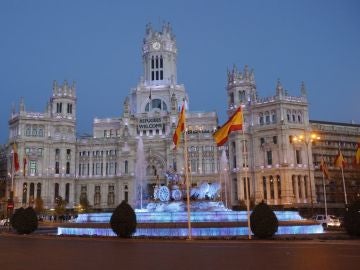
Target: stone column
<point>308,191</point>
<point>276,195</point>
<point>268,190</point>
<point>296,188</point>
<point>90,164</point>
<point>302,187</point>
<point>241,188</point>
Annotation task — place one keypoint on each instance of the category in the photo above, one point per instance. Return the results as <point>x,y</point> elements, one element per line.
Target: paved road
<point>65,253</point>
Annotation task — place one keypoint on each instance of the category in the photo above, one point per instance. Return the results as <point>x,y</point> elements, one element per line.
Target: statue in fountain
<point>170,197</point>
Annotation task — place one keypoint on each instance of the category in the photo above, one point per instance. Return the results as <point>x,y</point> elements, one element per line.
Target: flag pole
<point>343,179</point>
<point>187,179</point>
<point>12,174</point>
<point>323,175</point>
<point>246,185</point>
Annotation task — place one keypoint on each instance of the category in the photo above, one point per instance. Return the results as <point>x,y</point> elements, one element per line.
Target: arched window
<point>111,195</point>
<point>24,195</point>
<point>157,68</point>
<point>264,188</point>
<point>273,117</point>
<point>156,104</point>
<point>32,191</point>
<point>278,186</point>
<point>97,196</point>
<point>67,167</point>
<point>261,119</point>
<point>56,193</point>
<point>126,164</point>
<point>272,195</point>
<point>267,118</point>
<point>38,190</point>
<point>67,192</point>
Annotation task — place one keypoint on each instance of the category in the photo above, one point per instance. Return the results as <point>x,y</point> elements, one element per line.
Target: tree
<point>123,220</point>
<point>352,219</point>
<point>39,205</point>
<point>264,223</point>
<point>24,221</point>
<point>84,204</point>
<point>60,207</point>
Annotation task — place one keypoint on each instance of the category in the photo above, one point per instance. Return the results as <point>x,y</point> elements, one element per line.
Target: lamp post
<point>308,138</point>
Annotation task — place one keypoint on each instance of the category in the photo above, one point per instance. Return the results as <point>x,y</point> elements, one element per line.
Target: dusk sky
<point>98,45</point>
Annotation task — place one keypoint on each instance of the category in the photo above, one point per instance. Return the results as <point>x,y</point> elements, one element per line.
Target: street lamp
<point>308,138</point>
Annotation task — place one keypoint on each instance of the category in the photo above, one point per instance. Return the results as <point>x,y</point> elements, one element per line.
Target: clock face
<point>156,45</point>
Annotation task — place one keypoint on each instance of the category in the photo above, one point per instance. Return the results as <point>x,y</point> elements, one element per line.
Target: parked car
<point>328,221</point>
<point>4,222</point>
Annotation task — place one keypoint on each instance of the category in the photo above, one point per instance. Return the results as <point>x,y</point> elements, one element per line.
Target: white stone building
<point>101,167</point>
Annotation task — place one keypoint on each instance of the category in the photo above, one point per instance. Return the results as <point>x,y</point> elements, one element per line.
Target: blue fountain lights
<point>196,232</point>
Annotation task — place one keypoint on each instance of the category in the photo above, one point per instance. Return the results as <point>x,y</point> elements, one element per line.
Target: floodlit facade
<point>101,167</point>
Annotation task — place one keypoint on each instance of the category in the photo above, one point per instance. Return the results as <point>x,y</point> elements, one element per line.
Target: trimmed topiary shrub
<point>123,220</point>
<point>24,221</point>
<point>263,221</point>
<point>352,219</point>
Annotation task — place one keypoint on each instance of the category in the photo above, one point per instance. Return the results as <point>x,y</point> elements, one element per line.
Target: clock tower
<point>158,91</point>
<point>159,56</point>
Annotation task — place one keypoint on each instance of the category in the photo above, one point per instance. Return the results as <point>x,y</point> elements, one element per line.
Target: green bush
<point>123,220</point>
<point>352,219</point>
<point>263,221</point>
<point>24,221</point>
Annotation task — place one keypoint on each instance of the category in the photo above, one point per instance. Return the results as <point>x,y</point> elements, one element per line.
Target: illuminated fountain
<point>166,215</point>
<point>140,174</point>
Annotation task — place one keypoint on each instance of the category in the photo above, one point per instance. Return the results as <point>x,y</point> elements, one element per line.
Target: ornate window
<point>24,197</point>
<point>261,119</point>
<point>97,196</point>
<point>156,104</point>
<point>33,168</point>
<point>67,192</point>
<point>269,157</point>
<point>157,68</point>
<point>267,118</point>
<point>38,190</point>
<point>111,195</point>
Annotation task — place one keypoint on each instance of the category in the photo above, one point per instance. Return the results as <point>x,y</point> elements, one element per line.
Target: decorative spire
<point>22,105</point>
<point>252,76</point>
<point>73,89</point>
<point>13,109</point>
<point>303,89</point>
<point>127,107</point>
<point>279,88</point>
<point>148,30</point>
<point>246,72</point>
<point>55,86</point>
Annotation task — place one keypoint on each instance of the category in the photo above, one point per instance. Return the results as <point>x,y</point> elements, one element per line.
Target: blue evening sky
<point>98,45</point>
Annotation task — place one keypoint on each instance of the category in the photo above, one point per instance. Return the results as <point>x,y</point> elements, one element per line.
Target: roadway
<point>58,252</point>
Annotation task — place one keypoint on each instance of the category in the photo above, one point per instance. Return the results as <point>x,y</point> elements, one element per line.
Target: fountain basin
<point>174,224</point>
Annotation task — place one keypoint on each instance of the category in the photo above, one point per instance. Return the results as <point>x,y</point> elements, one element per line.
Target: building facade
<point>334,137</point>
<point>100,168</point>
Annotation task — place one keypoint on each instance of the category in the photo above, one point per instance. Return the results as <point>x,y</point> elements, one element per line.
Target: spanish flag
<point>357,155</point>
<point>234,123</point>
<point>15,158</point>
<point>339,160</point>
<point>324,168</point>
<point>180,127</point>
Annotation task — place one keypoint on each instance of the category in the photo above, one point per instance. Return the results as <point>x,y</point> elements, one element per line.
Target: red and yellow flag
<point>339,160</point>
<point>234,123</point>
<point>324,168</point>
<point>180,127</point>
<point>357,156</point>
<point>15,158</point>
